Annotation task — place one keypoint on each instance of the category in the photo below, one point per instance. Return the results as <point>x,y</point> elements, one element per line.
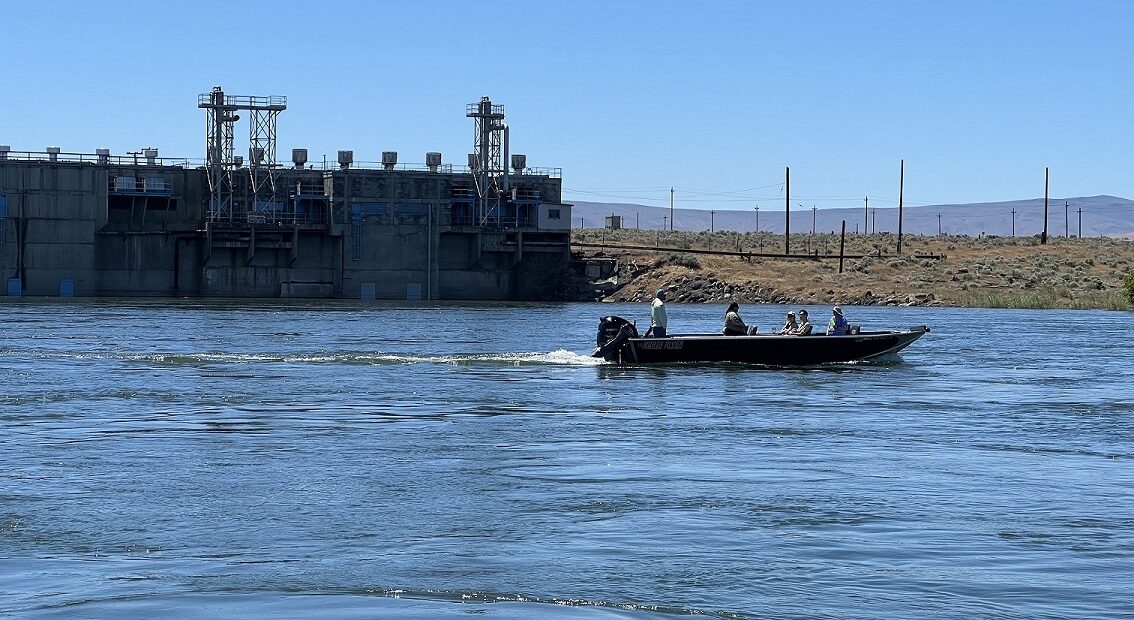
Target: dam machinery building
<point>76,224</point>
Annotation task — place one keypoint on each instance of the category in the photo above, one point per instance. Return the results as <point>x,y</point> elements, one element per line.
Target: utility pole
<point>874,220</point>
<point>757,218</point>
<point>663,221</point>
<point>901,191</point>
<point>1013,221</point>
<point>1066,221</point>
<point>866,215</point>
<point>636,214</point>
<point>670,208</point>
<point>813,219</point>
<point>581,227</point>
<point>842,245</point>
<point>712,214</point>
<point>938,224</point>
<point>787,211</point>
<point>1080,222</point>
<point>1043,237</point>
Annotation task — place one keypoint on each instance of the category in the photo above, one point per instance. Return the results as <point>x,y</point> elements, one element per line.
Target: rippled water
<point>253,459</point>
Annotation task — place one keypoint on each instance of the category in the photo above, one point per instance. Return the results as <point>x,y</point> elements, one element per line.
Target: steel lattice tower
<point>220,120</point>
<point>487,161</point>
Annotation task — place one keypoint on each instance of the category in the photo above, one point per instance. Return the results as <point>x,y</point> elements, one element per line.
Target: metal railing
<point>96,159</point>
<point>139,185</point>
<point>245,102</point>
<point>501,222</point>
<point>187,162</point>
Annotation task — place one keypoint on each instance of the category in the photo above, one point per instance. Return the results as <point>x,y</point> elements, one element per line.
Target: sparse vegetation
<point>1001,272</point>
<point>680,259</point>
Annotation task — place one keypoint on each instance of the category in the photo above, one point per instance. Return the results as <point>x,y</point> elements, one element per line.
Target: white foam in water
<point>558,357</point>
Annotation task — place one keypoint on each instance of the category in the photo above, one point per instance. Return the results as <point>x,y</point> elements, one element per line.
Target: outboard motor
<point>613,332</point>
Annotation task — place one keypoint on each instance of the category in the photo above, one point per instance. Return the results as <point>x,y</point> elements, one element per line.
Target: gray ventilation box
<point>299,157</point>
<point>53,153</point>
<point>519,162</point>
<point>389,159</point>
<point>4,150</point>
<point>474,162</point>
<point>433,160</point>
<point>346,158</point>
<point>151,156</point>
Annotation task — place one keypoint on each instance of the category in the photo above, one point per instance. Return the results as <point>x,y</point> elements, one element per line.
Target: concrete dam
<point>77,224</point>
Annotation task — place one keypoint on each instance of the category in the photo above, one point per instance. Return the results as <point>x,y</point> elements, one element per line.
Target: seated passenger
<point>838,325</point>
<point>804,327</point>
<point>733,324</point>
<point>789,326</point>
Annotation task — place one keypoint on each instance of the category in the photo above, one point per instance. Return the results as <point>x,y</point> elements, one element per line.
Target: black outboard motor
<point>613,332</point>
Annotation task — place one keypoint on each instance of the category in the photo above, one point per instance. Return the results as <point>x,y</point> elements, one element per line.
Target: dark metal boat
<point>618,341</point>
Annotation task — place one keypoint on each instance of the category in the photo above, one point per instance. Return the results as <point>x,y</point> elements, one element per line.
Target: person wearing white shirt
<point>658,320</point>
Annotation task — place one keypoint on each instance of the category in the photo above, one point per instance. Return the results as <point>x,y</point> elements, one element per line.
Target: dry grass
<point>980,272</point>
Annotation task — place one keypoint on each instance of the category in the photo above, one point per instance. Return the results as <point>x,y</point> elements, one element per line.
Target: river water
<point>200,459</point>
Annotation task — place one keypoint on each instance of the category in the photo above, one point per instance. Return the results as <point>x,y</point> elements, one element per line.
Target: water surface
<point>258,459</point>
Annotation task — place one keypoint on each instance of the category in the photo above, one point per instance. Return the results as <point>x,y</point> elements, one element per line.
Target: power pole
<point>1013,221</point>
<point>1043,237</point>
<point>1080,222</point>
<point>663,221</point>
<point>670,208</point>
<point>938,224</point>
<point>787,211</point>
<point>901,191</point>
<point>813,219</point>
<point>636,214</point>
<point>866,215</point>
<point>1066,221</point>
<point>873,220</point>
<point>757,218</point>
<point>712,214</point>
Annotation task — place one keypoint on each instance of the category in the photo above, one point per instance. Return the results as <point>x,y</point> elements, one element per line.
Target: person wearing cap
<point>804,327</point>
<point>838,325</point>
<point>733,324</point>
<point>658,320</point>
<point>789,326</point>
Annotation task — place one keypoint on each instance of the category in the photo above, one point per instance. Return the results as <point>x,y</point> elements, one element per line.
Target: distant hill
<point>1107,216</point>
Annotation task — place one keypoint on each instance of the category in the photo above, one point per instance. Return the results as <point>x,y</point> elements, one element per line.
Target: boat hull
<point>765,349</point>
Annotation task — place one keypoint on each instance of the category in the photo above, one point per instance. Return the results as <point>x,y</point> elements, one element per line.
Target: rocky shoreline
<point>933,271</point>
<point>709,289</point>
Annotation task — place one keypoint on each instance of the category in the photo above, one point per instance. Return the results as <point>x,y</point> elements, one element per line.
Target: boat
<point>618,341</point>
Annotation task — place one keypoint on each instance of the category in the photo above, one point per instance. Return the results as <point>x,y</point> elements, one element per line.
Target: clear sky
<point>628,98</point>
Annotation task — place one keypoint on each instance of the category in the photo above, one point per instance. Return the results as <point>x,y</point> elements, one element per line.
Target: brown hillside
<point>931,270</point>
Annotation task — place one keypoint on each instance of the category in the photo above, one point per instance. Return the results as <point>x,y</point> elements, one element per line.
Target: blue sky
<point>628,98</point>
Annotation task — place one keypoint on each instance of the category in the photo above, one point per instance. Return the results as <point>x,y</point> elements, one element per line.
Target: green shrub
<point>1128,287</point>
<point>681,259</point>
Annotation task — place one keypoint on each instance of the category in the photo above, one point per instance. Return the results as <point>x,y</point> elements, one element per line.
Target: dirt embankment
<point>947,271</point>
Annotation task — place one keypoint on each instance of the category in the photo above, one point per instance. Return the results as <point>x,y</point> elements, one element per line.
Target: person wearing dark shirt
<point>838,325</point>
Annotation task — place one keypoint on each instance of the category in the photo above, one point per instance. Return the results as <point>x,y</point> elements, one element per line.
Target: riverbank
<point>988,272</point>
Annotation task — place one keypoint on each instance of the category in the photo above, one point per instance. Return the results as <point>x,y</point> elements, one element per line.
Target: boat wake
<point>560,357</point>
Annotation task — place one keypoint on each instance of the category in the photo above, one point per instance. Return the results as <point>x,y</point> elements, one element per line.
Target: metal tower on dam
<point>220,162</point>
<point>490,143</point>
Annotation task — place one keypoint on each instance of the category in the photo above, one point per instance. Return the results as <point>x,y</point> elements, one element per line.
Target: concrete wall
<point>72,221</point>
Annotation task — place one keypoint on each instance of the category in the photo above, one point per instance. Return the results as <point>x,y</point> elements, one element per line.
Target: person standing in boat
<point>804,327</point>
<point>658,320</point>
<point>733,324</point>
<point>789,326</point>
<point>838,325</point>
